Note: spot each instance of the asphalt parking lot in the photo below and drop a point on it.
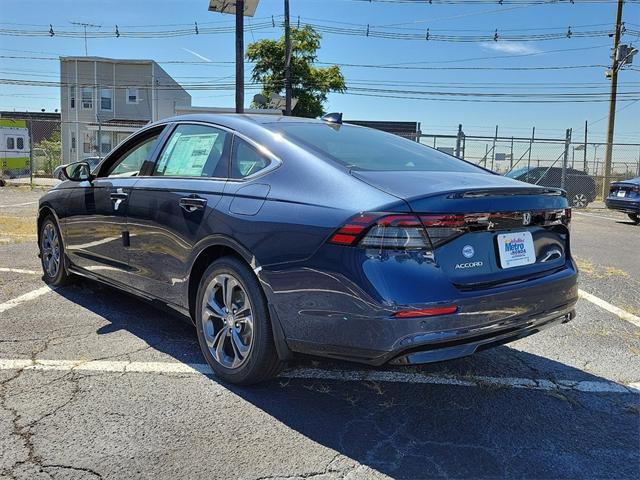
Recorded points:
(97, 384)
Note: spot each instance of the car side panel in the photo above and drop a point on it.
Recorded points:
(163, 234)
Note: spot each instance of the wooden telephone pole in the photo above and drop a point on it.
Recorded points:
(287, 60)
(615, 66)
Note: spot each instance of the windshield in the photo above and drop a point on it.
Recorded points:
(367, 149)
(517, 172)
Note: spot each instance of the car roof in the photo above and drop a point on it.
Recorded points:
(238, 118)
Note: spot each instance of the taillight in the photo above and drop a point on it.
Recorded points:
(383, 231)
(442, 228)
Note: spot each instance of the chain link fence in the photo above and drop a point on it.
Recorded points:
(34, 148)
(577, 167)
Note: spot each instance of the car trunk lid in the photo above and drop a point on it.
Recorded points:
(486, 230)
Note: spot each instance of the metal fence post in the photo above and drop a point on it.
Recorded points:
(459, 140)
(30, 130)
(493, 149)
(565, 159)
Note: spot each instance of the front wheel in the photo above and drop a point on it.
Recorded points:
(634, 217)
(232, 320)
(52, 253)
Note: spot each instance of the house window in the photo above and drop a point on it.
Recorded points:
(72, 96)
(11, 143)
(20, 143)
(106, 99)
(105, 143)
(86, 147)
(132, 95)
(73, 141)
(87, 98)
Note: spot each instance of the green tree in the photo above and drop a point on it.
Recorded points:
(47, 153)
(310, 84)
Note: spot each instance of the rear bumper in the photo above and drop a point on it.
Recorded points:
(626, 206)
(464, 343)
(484, 319)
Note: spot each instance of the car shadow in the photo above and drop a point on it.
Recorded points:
(413, 430)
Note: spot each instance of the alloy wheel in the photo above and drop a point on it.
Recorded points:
(580, 200)
(50, 245)
(227, 321)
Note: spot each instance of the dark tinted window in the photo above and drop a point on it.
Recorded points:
(246, 159)
(193, 151)
(368, 149)
(20, 143)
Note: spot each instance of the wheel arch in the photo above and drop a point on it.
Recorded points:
(209, 250)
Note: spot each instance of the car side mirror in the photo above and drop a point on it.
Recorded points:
(78, 172)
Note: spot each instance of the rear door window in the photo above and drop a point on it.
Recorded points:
(194, 151)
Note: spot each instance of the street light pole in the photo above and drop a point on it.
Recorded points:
(612, 102)
(287, 60)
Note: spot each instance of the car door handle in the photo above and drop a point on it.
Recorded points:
(118, 197)
(191, 204)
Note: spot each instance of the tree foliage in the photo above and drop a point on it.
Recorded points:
(310, 84)
(48, 152)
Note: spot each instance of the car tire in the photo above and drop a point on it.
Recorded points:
(634, 217)
(233, 324)
(579, 200)
(52, 256)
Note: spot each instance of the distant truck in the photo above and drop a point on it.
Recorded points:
(14, 148)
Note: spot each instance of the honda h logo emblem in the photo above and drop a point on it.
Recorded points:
(526, 218)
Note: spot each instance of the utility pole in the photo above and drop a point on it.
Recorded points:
(239, 56)
(239, 8)
(287, 60)
(612, 102)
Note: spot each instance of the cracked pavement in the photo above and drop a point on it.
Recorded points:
(76, 423)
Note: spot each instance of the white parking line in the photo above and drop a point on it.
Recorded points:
(623, 314)
(582, 214)
(18, 205)
(319, 374)
(14, 302)
(19, 270)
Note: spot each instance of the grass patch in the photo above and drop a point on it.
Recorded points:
(17, 229)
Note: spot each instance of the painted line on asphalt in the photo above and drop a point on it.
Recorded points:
(19, 270)
(14, 302)
(320, 374)
(623, 314)
(18, 205)
(597, 216)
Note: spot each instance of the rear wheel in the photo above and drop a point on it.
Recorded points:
(52, 253)
(232, 320)
(634, 217)
(579, 200)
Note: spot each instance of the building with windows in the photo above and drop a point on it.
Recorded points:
(104, 100)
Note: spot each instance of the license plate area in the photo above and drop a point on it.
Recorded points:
(621, 193)
(516, 249)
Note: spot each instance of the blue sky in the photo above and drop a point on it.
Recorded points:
(550, 119)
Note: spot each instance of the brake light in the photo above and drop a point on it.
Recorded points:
(426, 312)
(384, 231)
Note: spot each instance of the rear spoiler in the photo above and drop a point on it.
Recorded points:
(509, 192)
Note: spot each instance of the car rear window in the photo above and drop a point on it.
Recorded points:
(368, 149)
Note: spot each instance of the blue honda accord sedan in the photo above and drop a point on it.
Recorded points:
(624, 196)
(283, 235)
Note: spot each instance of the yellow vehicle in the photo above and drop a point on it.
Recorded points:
(14, 148)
